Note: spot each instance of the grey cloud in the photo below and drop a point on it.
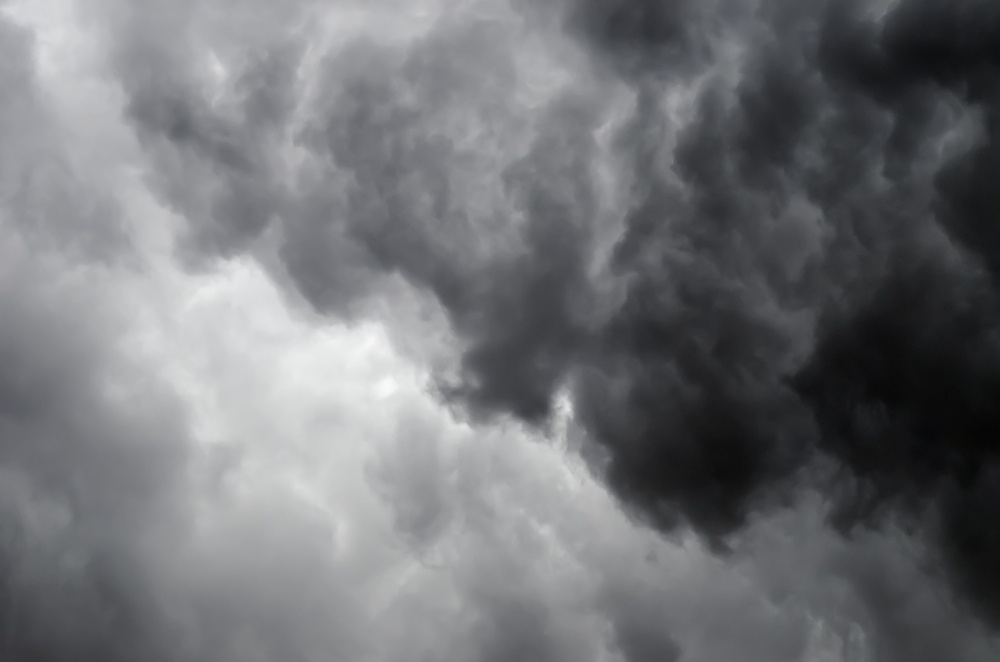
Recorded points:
(722, 323)
(73, 480)
(84, 478)
(82, 475)
(199, 147)
(103, 554)
(549, 573)
(98, 472)
(405, 207)
(641, 39)
(798, 268)
(872, 586)
(414, 476)
(40, 185)
(929, 325)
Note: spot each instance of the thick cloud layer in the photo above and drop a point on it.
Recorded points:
(770, 168)
(732, 261)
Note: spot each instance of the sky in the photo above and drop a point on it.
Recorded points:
(499, 330)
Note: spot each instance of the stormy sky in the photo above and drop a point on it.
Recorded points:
(499, 330)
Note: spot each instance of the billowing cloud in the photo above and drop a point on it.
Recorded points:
(633, 330)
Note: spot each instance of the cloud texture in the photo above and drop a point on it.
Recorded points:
(484, 330)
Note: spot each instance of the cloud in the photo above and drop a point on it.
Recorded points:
(443, 275)
(815, 162)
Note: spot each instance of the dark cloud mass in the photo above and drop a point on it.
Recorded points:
(755, 246)
(800, 267)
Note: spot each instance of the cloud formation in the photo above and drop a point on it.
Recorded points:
(335, 350)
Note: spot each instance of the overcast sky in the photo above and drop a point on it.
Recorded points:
(499, 330)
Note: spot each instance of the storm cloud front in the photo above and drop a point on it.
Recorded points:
(499, 330)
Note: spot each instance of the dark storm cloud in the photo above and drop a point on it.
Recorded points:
(647, 37)
(711, 320)
(411, 212)
(799, 271)
(684, 383)
(901, 385)
(903, 393)
(845, 111)
(407, 198)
